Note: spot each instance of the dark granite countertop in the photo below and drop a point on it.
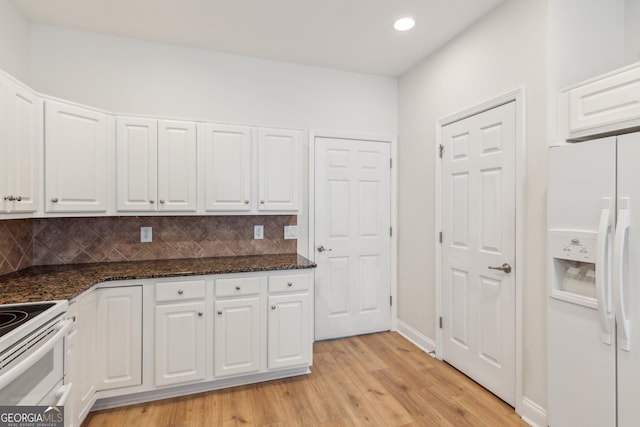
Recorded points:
(58, 282)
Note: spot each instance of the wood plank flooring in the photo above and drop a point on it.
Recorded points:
(378, 380)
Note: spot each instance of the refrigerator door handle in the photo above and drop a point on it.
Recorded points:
(622, 227)
(603, 284)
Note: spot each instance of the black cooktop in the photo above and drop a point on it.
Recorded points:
(13, 316)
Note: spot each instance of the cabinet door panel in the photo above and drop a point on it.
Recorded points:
(136, 164)
(85, 360)
(289, 342)
(23, 148)
(5, 189)
(227, 168)
(237, 336)
(180, 337)
(177, 166)
(119, 337)
(278, 169)
(75, 159)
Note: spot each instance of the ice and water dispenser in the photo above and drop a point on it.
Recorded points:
(573, 269)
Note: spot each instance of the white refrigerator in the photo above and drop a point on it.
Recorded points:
(593, 303)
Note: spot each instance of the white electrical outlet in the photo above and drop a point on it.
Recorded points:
(290, 232)
(146, 234)
(258, 232)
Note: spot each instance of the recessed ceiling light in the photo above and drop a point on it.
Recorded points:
(404, 24)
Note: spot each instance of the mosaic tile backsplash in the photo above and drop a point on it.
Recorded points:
(105, 239)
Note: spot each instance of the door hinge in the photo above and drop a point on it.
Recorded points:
(440, 237)
(390, 300)
(390, 231)
(441, 150)
(390, 163)
(440, 322)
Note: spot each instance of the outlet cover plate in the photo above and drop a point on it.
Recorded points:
(290, 232)
(146, 234)
(258, 232)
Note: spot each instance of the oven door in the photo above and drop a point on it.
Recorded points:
(35, 373)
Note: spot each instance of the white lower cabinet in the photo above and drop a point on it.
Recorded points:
(180, 350)
(119, 337)
(133, 338)
(237, 336)
(81, 351)
(289, 333)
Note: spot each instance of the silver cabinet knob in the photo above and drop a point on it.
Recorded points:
(18, 198)
(162, 201)
(322, 249)
(200, 314)
(262, 202)
(273, 307)
(246, 202)
(289, 284)
(237, 288)
(220, 313)
(54, 200)
(9, 198)
(180, 292)
(152, 201)
(506, 268)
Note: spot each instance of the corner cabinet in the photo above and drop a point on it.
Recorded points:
(76, 158)
(20, 126)
(155, 165)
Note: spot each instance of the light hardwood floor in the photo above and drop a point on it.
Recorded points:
(378, 379)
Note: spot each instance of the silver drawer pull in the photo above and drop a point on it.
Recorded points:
(220, 313)
(246, 202)
(200, 313)
(237, 288)
(289, 284)
(9, 198)
(273, 307)
(54, 200)
(180, 292)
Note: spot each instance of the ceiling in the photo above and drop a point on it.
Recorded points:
(352, 35)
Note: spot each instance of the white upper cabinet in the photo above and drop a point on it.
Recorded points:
(177, 176)
(228, 174)
(603, 105)
(155, 165)
(76, 158)
(136, 164)
(20, 122)
(278, 169)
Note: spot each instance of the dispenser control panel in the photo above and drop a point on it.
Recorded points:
(573, 245)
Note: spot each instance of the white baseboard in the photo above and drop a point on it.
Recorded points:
(533, 414)
(423, 342)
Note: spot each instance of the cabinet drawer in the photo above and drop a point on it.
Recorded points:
(237, 286)
(297, 282)
(178, 291)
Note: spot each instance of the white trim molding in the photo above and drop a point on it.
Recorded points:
(422, 341)
(533, 414)
(519, 97)
(313, 134)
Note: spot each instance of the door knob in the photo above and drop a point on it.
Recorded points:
(504, 267)
(322, 249)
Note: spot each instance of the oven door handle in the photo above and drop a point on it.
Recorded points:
(63, 394)
(24, 365)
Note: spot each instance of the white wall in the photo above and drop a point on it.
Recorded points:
(504, 51)
(14, 42)
(632, 30)
(139, 77)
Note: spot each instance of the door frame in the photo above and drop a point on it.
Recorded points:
(393, 202)
(519, 97)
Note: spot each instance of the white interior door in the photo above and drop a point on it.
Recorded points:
(352, 237)
(478, 225)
